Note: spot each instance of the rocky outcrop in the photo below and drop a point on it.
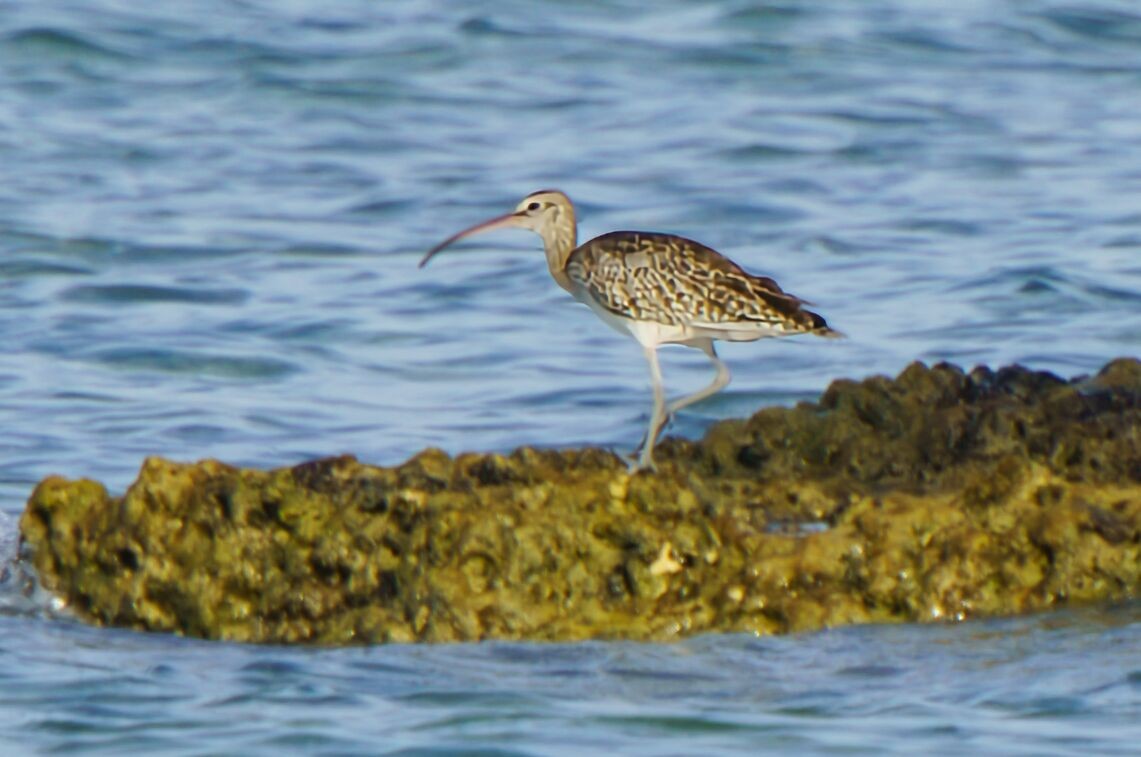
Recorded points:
(937, 495)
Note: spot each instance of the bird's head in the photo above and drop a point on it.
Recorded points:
(548, 213)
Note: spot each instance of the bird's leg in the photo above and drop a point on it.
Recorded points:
(657, 416)
(720, 381)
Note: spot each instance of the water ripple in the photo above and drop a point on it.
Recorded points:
(181, 361)
(47, 44)
(143, 294)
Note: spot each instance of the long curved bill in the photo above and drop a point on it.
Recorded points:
(499, 222)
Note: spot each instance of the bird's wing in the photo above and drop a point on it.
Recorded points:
(676, 281)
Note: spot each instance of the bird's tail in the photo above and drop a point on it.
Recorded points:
(820, 327)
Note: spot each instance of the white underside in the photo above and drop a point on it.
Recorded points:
(652, 334)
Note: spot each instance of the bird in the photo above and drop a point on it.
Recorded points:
(659, 289)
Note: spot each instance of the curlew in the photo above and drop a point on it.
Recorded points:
(659, 289)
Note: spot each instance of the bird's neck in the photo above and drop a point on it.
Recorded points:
(559, 242)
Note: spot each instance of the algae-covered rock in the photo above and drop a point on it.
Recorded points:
(939, 494)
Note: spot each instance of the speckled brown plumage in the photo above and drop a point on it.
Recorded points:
(676, 281)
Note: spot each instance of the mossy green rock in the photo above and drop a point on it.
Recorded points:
(939, 494)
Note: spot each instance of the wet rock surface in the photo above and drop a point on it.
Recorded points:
(939, 494)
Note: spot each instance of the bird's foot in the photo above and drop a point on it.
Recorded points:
(640, 460)
(642, 444)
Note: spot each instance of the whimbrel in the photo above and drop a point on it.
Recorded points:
(658, 288)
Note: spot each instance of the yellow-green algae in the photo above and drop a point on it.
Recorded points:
(936, 495)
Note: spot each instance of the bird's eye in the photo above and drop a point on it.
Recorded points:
(534, 206)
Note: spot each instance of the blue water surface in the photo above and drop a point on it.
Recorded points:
(210, 218)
